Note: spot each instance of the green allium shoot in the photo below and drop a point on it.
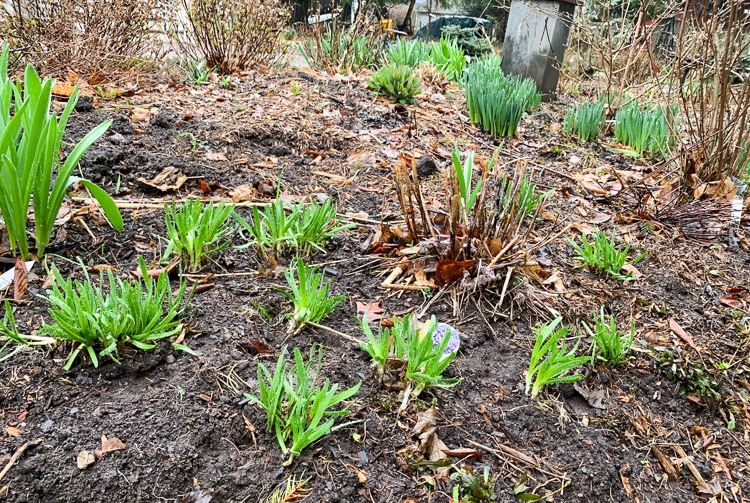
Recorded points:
(549, 361)
(309, 294)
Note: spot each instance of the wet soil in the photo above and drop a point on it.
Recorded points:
(191, 436)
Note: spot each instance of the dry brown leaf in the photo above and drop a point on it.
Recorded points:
(158, 181)
(13, 432)
(110, 445)
(732, 302)
(371, 312)
(63, 89)
(680, 332)
(20, 283)
(215, 156)
(583, 228)
(85, 459)
(243, 193)
(463, 452)
(155, 273)
(633, 270)
(140, 115)
(600, 185)
(724, 190)
(451, 271)
(429, 443)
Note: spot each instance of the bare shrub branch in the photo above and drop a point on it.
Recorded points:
(90, 38)
(232, 35)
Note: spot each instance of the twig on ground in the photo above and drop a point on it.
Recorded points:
(17, 456)
(336, 332)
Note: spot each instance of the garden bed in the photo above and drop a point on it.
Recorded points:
(620, 434)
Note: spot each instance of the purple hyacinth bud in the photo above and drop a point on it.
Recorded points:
(444, 330)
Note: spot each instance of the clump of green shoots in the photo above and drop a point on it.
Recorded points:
(197, 71)
(602, 254)
(424, 362)
(309, 294)
(495, 101)
(300, 227)
(396, 82)
(10, 336)
(31, 136)
(646, 130)
(295, 405)
(549, 361)
(134, 313)
(194, 232)
(585, 120)
(448, 58)
(610, 346)
(338, 48)
(405, 52)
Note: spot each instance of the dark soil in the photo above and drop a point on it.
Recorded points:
(190, 437)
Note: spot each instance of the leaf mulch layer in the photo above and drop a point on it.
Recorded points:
(168, 426)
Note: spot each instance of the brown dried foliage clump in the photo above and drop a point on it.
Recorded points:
(90, 38)
(232, 35)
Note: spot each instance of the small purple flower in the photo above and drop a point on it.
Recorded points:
(443, 329)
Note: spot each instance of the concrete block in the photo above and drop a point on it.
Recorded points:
(535, 41)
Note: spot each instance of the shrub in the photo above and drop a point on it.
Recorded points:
(295, 404)
(468, 39)
(645, 130)
(341, 49)
(131, 313)
(232, 35)
(309, 294)
(396, 82)
(195, 231)
(584, 120)
(30, 142)
(92, 38)
(495, 101)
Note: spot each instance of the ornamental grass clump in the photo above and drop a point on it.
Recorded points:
(396, 82)
(194, 232)
(30, 166)
(135, 313)
(497, 102)
(295, 404)
(646, 131)
(551, 361)
(585, 120)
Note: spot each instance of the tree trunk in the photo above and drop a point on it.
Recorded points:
(406, 24)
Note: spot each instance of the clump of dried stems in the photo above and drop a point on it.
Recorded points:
(231, 35)
(714, 89)
(491, 227)
(90, 38)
